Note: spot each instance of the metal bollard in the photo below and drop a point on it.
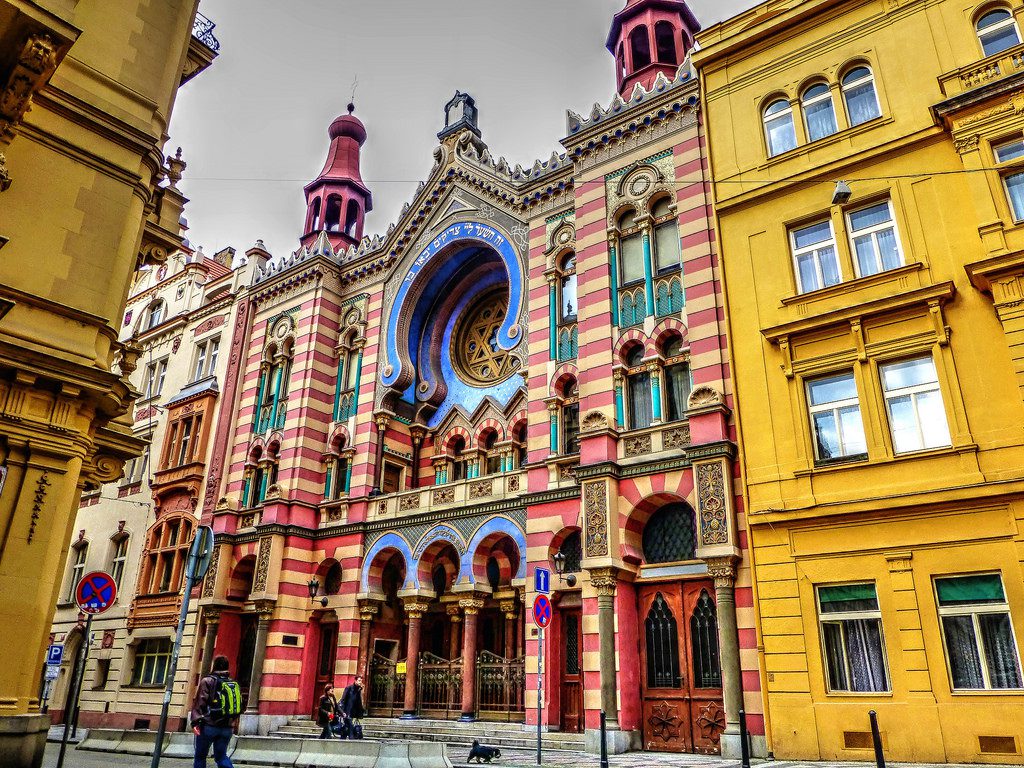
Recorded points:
(744, 740)
(604, 741)
(876, 739)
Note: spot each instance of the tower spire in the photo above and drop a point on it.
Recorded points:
(648, 37)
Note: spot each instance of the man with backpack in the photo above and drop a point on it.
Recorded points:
(217, 705)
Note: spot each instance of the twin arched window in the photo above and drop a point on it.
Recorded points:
(671, 396)
(997, 31)
(859, 96)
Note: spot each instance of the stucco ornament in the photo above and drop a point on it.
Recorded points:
(714, 528)
(595, 507)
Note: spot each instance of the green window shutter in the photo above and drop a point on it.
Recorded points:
(847, 597)
(966, 590)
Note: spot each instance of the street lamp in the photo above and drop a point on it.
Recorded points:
(560, 569)
(314, 587)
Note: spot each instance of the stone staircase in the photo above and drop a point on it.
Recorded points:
(495, 734)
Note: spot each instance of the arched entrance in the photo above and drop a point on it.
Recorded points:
(680, 668)
(386, 687)
(440, 665)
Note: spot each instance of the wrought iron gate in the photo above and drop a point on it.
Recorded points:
(500, 687)
(440, 686)
(387, 688)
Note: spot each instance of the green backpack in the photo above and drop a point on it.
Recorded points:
(225, 700)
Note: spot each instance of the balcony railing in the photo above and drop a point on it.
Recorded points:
(476, 491)
(202, 30)
(995, 67)
(665, 437)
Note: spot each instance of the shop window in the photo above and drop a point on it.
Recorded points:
(859, 94)
(874, 240)
(152, 659)
(997, 31)
(917, 416)
(779, 129)
(851, 628)
(669, 536)
(814, 256)
(836, 423)
(819, 112)
(977, 632)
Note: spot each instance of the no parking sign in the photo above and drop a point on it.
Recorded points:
(96, 592)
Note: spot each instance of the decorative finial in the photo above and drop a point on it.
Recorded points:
(351, 107)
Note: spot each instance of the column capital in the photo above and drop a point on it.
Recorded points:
(264, 609)
(722, 570)
(471, 605)
(382, 420)
(415, 607)
(211, 616)
(368, 609)
(508, 607)
(453, 612)
(604, 580)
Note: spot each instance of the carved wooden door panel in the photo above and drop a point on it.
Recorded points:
(572, 673)
(679, 668)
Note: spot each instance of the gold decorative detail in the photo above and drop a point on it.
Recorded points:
(211, 616)
(262, 566)
(5, 177)
(475, 351)
(604, 580)
(966, 144)
(39, 498)
(407, 503)
(711, 504)
(722, 570)
(444, 495)
(704, 396)
(336, 513)
(513, 483)
(594, 421)
(595, 506)
(471, 605)
(264, 609)
(247, 520)
(210, 583)
(415, 607)
(638, 446)
(678, 437)
(568, 472)
(481, 489)
(368, 609)
(37, 60)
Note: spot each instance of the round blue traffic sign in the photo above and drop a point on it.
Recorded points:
(542, 611)
(95, 592)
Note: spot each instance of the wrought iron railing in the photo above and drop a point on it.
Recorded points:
(500, 687)
(202, 30)
(440, 686)
(387, 687)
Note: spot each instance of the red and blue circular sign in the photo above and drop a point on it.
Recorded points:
(542, 611)
(95, 592)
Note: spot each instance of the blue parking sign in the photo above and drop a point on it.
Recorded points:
(55, 654)
(542, 581)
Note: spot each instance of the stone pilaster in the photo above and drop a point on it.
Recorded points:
(723, 571)
(367, 611)
(605, 580)
(211, 620)
(265, 610)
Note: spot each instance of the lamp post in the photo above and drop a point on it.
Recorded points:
(560, 569)
(314, 587)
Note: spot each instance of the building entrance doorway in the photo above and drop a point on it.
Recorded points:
(572, 672)
(246, 654)
(680, 670)
(324, 662)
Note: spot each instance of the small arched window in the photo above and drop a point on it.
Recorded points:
(778, 127)
(997, 31)
(631, 258)
(640, 45)
(519, 438)
(572, 548)
(677, 380)
(568, 300)
(665, 40)
(570, 418)
(666, 236)
(493, 457)
(314, 209)
(332, 580)
(458, 445)
(332, 216)
(669, 535)
(641, 412)
(860, 96)
(155, 314)
(352, 218)
(819, 112)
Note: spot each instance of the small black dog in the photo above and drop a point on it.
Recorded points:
(483, 754)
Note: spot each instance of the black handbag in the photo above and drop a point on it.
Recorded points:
(357, 730)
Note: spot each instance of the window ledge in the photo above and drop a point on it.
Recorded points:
(859, 695)
(843, 288)
(987, 692)
(869, 462)
(835, 138)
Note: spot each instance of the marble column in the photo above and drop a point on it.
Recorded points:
(414, 610)
(211, 618)
(265, 609)
(723, 571)
(604, 581)
(508, 607)
(367, 612)
(471, 610)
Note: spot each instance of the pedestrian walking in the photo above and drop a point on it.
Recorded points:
(352, 707)
(216, 707)
(326, 711)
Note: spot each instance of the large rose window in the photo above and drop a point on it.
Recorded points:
(478, 358)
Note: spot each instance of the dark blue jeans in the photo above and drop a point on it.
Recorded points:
(212, 735)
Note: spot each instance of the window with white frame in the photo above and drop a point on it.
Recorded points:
(152, 659)
(1006, 152)
(836, 424)
(156, 372)
(206, 358)
(917, 416)
(631, 256)
(779, 130)
(666, 237)
(678, 381)
(118, 558)
(997, 31)
(852, 640)
(814, 256)
(819, 112)
(977, 632)
(154, 315)
(874, 240)
(860, 96)
(79, 554)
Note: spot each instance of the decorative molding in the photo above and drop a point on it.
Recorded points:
(595, 509)
(604, 580)
(638, 446)
(711, 503)
(262, 565)
(677, 437)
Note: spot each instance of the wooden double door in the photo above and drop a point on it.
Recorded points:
(680, 668)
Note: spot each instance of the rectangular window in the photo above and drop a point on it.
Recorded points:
(392, 478)
(666, 246)
(980, 646)
(631, 260)
(206, 358)
(873, 237)
(1009, 150)
(835, 418)
(493, 465)
(77, 570)
(677, 390)
(200, 366)
(814, 257)
(917, 417)
(641, 409)
(571, 428)
(1015, 194)
(118, 560)
(214, 353)
(185, 440)
(152, 658)
(851, 630)
(569, 306)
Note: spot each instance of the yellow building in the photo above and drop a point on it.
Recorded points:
(86, 90)
(875, 329)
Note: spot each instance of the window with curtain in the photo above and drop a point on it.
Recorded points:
(631, 258)
(638, 383)
(677, 380)
(852, 640)
(836, 423)
(666, 237)
(571, 428)
(874, 240)
(819, 112)
(997, 31)
(860, 96)
(980, 647)
(79, 553)
(778, 127)
(917, 416)
(814, 256)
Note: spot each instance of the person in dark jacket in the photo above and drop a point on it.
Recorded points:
(352, 700)
(325, 712)
(211, 730)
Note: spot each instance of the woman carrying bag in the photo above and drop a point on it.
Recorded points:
(325, 712)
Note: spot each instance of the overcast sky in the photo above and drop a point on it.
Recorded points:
(253, 127)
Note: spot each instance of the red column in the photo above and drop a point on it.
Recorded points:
(471, 609)
(414, 612)
(454, 638)
(367, 610)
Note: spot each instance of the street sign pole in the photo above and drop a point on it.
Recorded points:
(198, 562)
(71, 703)
(540, 687)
